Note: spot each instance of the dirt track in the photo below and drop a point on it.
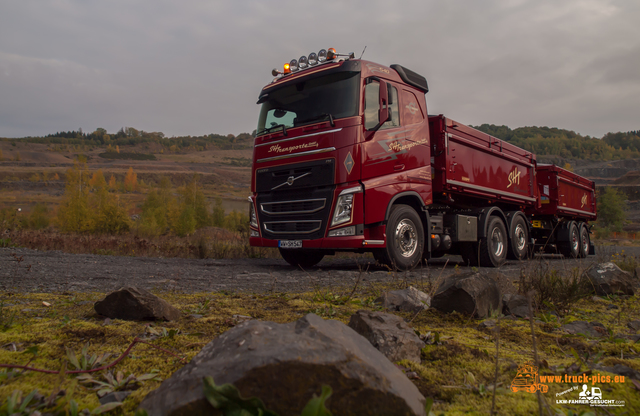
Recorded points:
(53, 271)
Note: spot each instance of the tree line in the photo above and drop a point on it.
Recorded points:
(551, 141)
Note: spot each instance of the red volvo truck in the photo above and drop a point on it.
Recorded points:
(346, 158)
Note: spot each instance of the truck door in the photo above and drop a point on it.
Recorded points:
(382, 153)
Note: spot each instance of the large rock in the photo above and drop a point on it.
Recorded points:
(284, 365)
(516, 305)
(470, 293)
(609, 279)
(405, 300)
(135, 304)
(389, 333)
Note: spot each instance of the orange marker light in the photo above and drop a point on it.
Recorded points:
(287, 69)
(331, 53)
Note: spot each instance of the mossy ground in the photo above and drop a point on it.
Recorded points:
(457, 371)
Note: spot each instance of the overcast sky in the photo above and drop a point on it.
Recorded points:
(196, 67)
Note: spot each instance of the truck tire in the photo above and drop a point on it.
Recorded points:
(571, 248)
(301, 258)
(518, 239)
(585, 240)
(493, 248)
(405, 239)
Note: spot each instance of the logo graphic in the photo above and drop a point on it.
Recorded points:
(584, 200)
(528, 379)
(348, 162)
(594, 394)
(375, 68)
(412, 107)
(514, 177)
(290, 180)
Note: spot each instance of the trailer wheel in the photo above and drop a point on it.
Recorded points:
(405, 239)
(493, 248)
(518, 239)
(302, 258)
(585, 240)
(571, 248)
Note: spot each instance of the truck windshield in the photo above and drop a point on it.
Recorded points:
(331, 96)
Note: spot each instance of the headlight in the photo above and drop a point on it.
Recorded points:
(253, 219)
(344, 206)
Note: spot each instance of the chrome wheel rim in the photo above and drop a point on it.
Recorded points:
(521, 237)
(406, 238)
(574, 241)
(497, 240)
(585, 242)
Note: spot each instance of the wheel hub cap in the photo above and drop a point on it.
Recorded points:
(406, 238)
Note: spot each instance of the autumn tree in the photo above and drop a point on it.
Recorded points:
(97, 180)
(73, 213)
(130, 180)
(112, 183)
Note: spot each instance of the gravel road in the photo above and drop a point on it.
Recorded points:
(25, 270)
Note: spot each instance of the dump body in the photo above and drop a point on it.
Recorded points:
(473, 165)
(565, 194)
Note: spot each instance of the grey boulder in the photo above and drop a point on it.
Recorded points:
(405, 300)
(470, 293)
(285, 365)
(389, 334)
(135, 304)
(516, 305)
(609, 279)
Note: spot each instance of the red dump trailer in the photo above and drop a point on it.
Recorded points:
(346, 158)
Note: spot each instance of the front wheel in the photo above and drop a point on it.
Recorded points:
(405, 239)
(493, 248)
(301, 258)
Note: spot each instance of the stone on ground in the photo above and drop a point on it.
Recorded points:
(389, 334)
(405, 300)
(136, 304)
(609, 279)
(470, 293)
(285, 365)
(516, 305)
(592, 329)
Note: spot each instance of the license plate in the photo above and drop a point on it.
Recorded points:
(290, 243)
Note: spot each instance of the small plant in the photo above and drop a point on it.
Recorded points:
(6, 319)
(202, 307)
(162, 332)
(118, 382)
(84, 361)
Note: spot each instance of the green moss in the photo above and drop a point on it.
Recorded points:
(458, 373)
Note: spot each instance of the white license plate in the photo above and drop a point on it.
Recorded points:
(290, 243)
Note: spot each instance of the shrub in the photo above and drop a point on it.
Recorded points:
(38, 217)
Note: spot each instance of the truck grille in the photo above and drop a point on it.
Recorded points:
(293, 227)
(303, 206)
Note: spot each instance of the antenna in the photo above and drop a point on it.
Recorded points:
(365, 48)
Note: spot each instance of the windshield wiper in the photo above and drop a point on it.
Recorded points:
(320, 116)
(268, 129)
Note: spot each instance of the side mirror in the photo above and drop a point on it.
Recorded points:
(383, 100)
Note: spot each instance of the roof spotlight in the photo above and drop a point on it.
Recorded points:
(302, 62)
(293, 65)
(313, 59)
(322, 55)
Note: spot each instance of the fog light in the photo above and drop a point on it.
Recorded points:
(254, 233)
(340, 232)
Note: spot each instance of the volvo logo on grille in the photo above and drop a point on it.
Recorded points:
(290, 180)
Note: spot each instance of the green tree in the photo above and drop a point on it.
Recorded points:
(611, 208)
(38, 217)
(217, 216)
